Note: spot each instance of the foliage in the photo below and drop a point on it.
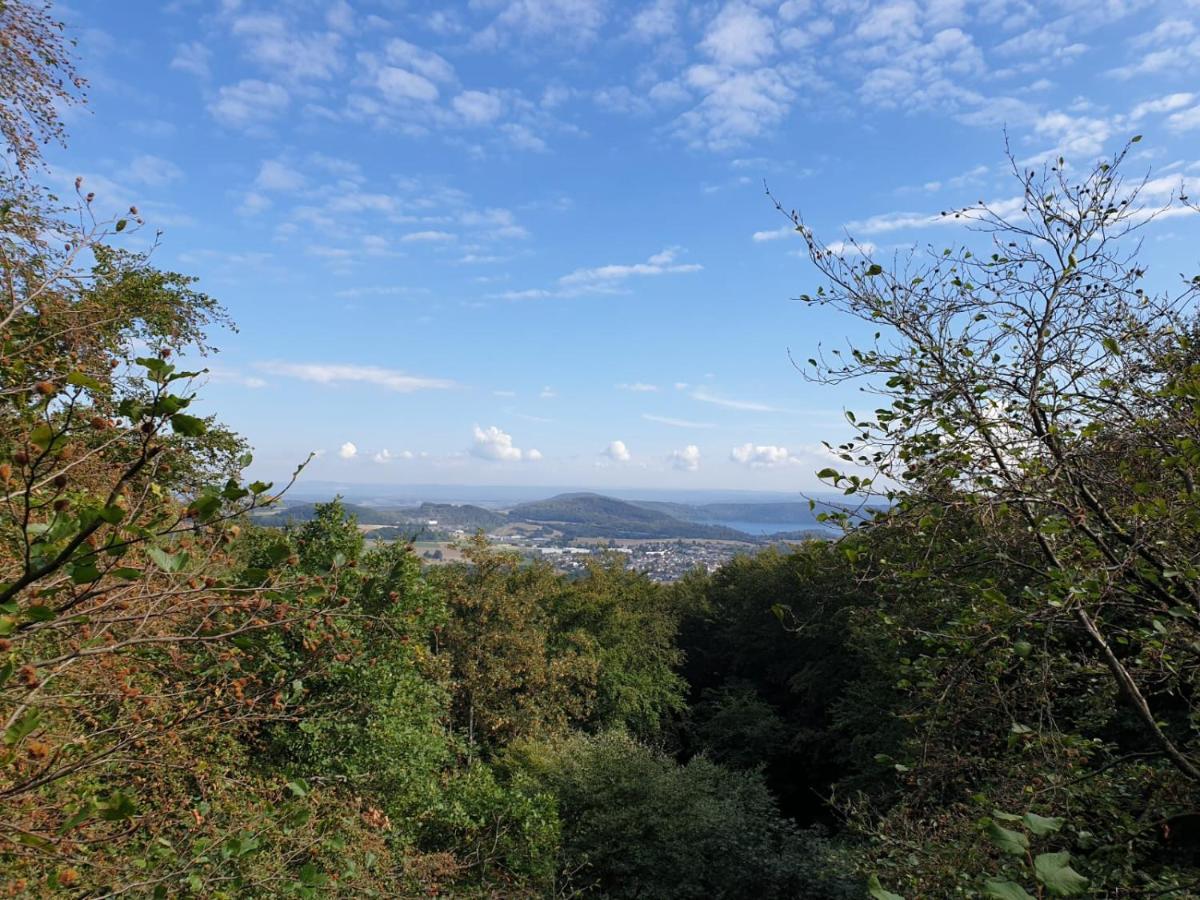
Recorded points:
(1034, 573)
(767, 663)
(637, 824)
(37, 79)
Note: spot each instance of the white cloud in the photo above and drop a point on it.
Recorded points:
(850, 248)
(493, 444)
(775, 234)
(1186, 120)
(653, 21)
(427, 63)
(522, 137)
(1171, 46)
(1160, 105)
(348, 450)
(1074, 136)
(548, 393)
(249, 103)
(676, 423)
(737, 105)
(152, 170)
(618, 452)
(478, 108)
(323, 373)
(272, 44)
(749, 405)
(400, 85)
(897, 21)
(274, 175)
(638, 387)
(606, 279)
(385, 456)
(739, 36)
(340, 16)
(192, 58)
(762, 456)
(687, 459)
(430, 237)
(536, 21)
(662, 263)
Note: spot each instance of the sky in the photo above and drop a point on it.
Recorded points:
(527, 241)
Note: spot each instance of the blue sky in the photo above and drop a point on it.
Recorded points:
(526, 241)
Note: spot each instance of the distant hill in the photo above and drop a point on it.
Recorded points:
(580, 515)
(451, 515)
(594, 515)
(304, 512)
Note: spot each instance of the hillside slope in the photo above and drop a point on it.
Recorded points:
(594, 515)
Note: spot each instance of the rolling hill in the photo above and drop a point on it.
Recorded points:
(594, 515)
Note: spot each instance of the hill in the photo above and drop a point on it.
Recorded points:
(304, 512)
(791, 513)
(451, 515)
(594, 515)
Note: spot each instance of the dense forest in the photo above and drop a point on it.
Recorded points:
(985, 689)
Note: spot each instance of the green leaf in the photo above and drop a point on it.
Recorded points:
(874, 270)
(84, 573)
(827, 473)
(1007, 840)
(41, 436)
(1111, 346)
(120, 226)
(188, 426)
(32, 840)
(117, 807)
(1005, 890)
(1041, 825)
(22, 728)
(86, 810)
(1055, 872)
(1022, 648)
(112, 514)
(79, 379)
(299, 787)
(168, 562)
(1135, 139)
(876, 890)
(40, 612)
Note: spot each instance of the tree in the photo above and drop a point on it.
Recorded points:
(1036, 444)
(509, 680)
(37, 76)
(637, 824)
(628, 624)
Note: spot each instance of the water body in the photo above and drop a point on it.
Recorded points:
(765, 528)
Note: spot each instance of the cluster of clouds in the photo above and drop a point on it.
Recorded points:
(349, 450)
(608, 279)
(343, 216)
(718, 75)
(348, 66)
(763, 456)
(495, 445)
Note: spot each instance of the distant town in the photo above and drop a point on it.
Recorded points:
(569, 531)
